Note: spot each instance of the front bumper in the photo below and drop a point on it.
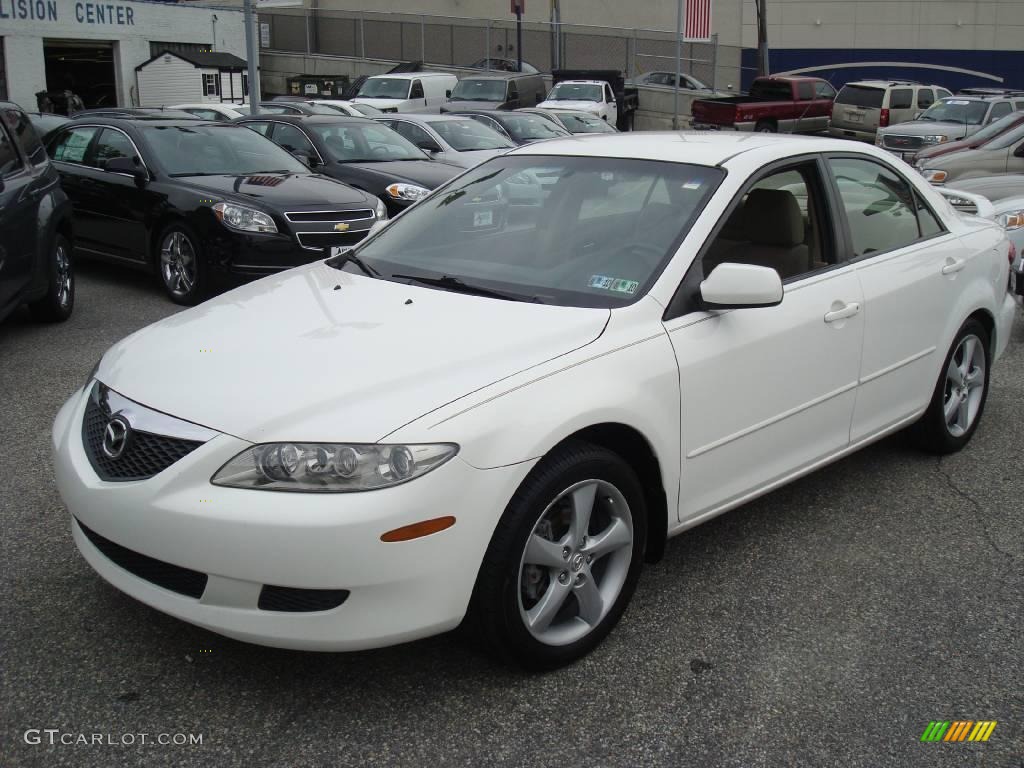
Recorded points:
(851, 133)
(242, 540)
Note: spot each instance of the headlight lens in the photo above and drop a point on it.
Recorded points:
(1011, 220)
(330, 467)
(407, 192)
(935, 139)
(933, 176)
(381, 211)
(243, 218)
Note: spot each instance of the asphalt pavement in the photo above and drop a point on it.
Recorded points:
(823, 625)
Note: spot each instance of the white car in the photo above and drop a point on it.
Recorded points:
(475, 414)
(350, 108)
(595, 97)
(214, 111)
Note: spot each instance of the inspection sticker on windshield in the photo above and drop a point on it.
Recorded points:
(613, 284)
(692, 185)
(959, 103)
(483, 218)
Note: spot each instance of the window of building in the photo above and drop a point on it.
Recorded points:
(156, 47)
(245, 83)
(211, 85)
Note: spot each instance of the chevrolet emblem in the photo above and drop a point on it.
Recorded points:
(341, 227)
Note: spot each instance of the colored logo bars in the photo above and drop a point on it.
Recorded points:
(958, 730)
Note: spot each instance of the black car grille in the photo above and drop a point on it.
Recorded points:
(184, 581)
(291, 600)
(146, 454)
(329, 215)
(891, 141)
(322, 241)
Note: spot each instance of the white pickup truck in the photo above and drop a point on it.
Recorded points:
(602, 93)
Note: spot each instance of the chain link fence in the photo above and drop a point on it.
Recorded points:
(462, 42)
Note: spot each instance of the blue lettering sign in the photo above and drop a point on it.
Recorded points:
(85, 12)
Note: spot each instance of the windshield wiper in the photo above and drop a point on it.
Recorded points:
(457, 285)
(348, 256)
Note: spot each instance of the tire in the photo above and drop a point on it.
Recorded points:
(592, 584)
(766, 126)
(960, 393)
(56, 306)
(180, 265)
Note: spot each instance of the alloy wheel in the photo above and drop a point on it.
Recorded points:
(63, 274)
(178, 263)
(575, 562)
(965, 385)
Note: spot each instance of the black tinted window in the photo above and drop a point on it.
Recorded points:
(111, 144)
(771, 90)
(417, 90)
(805, 91)
(901, 98)
(292, 139)
(859, 96)
(925, 98)
(8, 155)
(23, 132)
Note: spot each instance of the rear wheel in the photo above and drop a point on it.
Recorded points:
(766, 126)
(59, 301)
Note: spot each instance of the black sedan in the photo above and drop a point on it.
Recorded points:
(197, 201)
(519, 127)
(360, 152)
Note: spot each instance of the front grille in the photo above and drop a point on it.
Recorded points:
(329, 215)
(322, 241)
(291, 600)
(890, 141)
(184, 581)
(146, 453)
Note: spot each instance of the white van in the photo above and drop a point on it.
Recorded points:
(407, 91)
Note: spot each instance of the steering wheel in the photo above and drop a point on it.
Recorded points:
(381, 149)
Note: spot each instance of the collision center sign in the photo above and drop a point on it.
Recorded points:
(116, 14)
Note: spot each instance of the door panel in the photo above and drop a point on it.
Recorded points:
(68, 151)
(18, 217)
(117, 224)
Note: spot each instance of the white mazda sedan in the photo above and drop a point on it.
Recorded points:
(501, 404)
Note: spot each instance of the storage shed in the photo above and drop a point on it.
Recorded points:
(175, 77)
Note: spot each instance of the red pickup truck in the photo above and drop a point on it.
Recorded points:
(774, 105)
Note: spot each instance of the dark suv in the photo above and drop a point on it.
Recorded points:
(35, 224)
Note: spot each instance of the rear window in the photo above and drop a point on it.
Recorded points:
(861, 96)
(772, 90)
(901, 98)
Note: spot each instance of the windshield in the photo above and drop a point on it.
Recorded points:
(576, 92)
(212, 150)
(1008, 139)
(357, 143)
(580, 122)
(572, 231)
(526, 127)
(956, 111)
(861, 96)
(467, 134)
(479, 90)
(385, 88)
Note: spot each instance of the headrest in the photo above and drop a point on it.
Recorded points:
(772, 217)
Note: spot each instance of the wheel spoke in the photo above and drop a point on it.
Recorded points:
(975, 378)
(953, 372)
(951, 408)
(615, 536)
(541, 615)
(968, 356)
(543, 552)
(582, 506)
(186, 279)
(963, 415)
(590, 602)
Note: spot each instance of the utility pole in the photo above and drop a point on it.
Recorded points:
(517, 9)
(556, 35)
(680, 15)
(762, 37)
(250, 52)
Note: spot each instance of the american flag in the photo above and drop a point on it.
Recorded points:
(698, 20)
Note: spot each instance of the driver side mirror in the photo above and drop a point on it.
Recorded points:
(428, 146)
(741, 286)
(1019, 151)
(130, 166)
(306, 158)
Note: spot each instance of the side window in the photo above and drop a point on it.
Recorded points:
(1018, 105)
(262, 128)
(111, 144)
(942, 93)
(779, 223)
(70, 146)
(805, 91)
(23, 132)
(880, 207)
(207, 114)
(211, 85)
(609, 97)
(513, 91)
(901, 98)
(9, 161)
(925, 98)
(824, 91)
(417, 90)
(292, 139)
(930, 225)
(413, 133)
(1002, 109)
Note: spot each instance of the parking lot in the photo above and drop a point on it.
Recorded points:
(825, 624)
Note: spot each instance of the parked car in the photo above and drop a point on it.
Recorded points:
(406, 91)
(668, 80)
(36, 233)
(218, 112)
(461, 141)
(864, 106)
(287, 108)
(350, 108)
(360, 152)
(464, 418)
(499, 90)
(1003, 154)
(573, 121)
(504, 65)
(44, 122)
(989, 92)
(948, 119)
(601, 92)
(517, 127)
(196, 201)
(774, 105)
(103, 112)
(975, 140)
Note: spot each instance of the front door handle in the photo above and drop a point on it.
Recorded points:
(953, 265)
(847, 310)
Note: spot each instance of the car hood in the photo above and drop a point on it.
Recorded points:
(582, 106)
(928, 128)
(425, 173)
(282, 189)
(317, 354)
(472, 157)
(378, 103)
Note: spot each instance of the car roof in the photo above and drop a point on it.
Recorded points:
(889, 83)
(974, 97)
(308, 119)
(417, 117)
(493, 75)
(582, 82)
(410, 75)
(495, 113)
(120, 122)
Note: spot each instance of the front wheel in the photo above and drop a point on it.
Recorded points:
(59, 301)
(564, 560)
(182, 270)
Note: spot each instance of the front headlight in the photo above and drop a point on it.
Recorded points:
(244, 219)
(935, 139)
(1011, 220)
(933, 176)
(381, 211)
(407, 192)
(330, 467)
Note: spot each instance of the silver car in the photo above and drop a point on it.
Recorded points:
(949, 119)
(1003, 154)
(460, 141)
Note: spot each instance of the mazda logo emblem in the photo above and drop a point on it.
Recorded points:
(116, 437)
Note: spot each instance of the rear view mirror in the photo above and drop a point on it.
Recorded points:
(130, 166)
(741, 286)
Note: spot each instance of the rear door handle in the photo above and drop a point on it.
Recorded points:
(847, 310)
(953, 265)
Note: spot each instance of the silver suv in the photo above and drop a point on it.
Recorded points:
(864, 106)
(948, 119)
